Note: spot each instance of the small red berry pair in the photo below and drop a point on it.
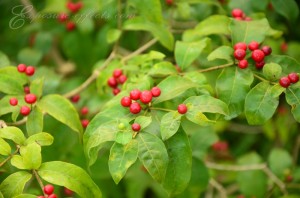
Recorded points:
(239, 14)
(84, 111)
(28, 70)
(74, 7)
(287, 80)
(48, 190)
(29, 99)
(117, 78)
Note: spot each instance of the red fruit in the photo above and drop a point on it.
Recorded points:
(289, 178)
(267, 50)
(126, 101)
(294, 77)
(122, 79)
(284, 47)
(68, 192)
(237, 13)
(85, 123)
(169, 2)
(243, 64)
(30, 70)
(30, 98)
(253, 45)
(21, 68)
(240, 196)
(135, 108)
(13, 101)
(258, 55)
(112, 82)
(62, 17)
(259, 65)
(239, 54)
(182, 109)
(117, 73)
(116, 91)
(135, 94)
(155, 91)
(84, 110)
(52, 196)
(75, 98)
(25, 110)
(284, 82)
(240, 45)
(74, 7)
(48, 189)
(70, 26)
(136, 127)
(26, 90)
(146, 97)
(220, 146)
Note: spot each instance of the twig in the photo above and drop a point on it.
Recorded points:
(9, 157)
(219, 188)
(222, 167)
(29, 8)
(275, 179)
(262, 79)
(39, 181)
(161, 109)
(2, 124)
(215, 67)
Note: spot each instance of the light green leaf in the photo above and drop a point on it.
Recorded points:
(121, 158)
(35, 121)
(12, 133)
(261, 102)
(280, 161)
(36, 87)
(113, 35)
(55, 6)
(4, 147)
(180, 163)
(4, 61)
(61, 109)
(69, 176)
(233, 85)
(144, 121)
(153, 155)
(14, 184)
(292, 96)
(223, 52)
(25, 196)
(169, 124)
(287, 8)
(162, 69)
(42, 138)
(187, 52)
(287, 63)
(11, 81)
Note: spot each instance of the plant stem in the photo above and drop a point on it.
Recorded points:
(161, 109)
(222, 167)
(9, 157)
(215, 67)
(275, 179)
(263, 79)
(39, 181)
(219, 188)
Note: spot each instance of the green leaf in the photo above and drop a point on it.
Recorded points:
(43, 42)
(30, 56)
(144, 121)
(4, 61)
(113, 35)
(121, 158)
(180, 163)
(249, 180)
(42, 138)
(187, 52)
(14, 184)
(247, 31)
(216, 24)
(169, 124)
(36, 87)
(12, 133)
(11, 81)
(25, 196)
(261, 102)
(279, 161)
(35, 121)
(287, 63)
(69, 176)
(233, 85)
(292, 96)
(162, 69)
(124, 136)
(153, 155)
(4, 147)
(223, 52)
(55, 6)
(61, 109)
(30, 157)
(287, 8)
(172, 87)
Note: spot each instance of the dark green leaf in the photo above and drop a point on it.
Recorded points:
(287, 8)
(11, 81)
(169, 124)
(279, 161)
(12, 133)
(30, 56)
(292, 96)
(35, 121)
(287, 63)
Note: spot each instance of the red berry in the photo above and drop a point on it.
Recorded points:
(68, 192)
(239, 54)
(25, 110)
(52, 196)
(29, 70)
(220, 146)
(294, 77)
(237, 13)
(74, 7)
(48, 189)
(289, 178)
(30, 98)
(267, 50)
(182, 109)
(253, 45)
(26, 90)
(75, 98)
(146, 97)
(258, 55)
(284, 82)
(85, 123)
(70, 26)
(284, 47)
(116, 91)
(122, 79)
(126, 101)
(169, 2)
(240, 45)
(21, 68)
(13, 101)
(136, 127)
(135, 94)
(155, 91)
(135, 108)
(62, 17)
(243, 64)
(117, 73)
(112, 82)
(84, 110)
(259, 65)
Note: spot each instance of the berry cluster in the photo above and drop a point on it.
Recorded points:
(29, 99)
(238, 14)
(287, 80)
(144, 96)
(64, 18)
(48, 190)
(257, 54)
(28, 70)
(117, 78)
